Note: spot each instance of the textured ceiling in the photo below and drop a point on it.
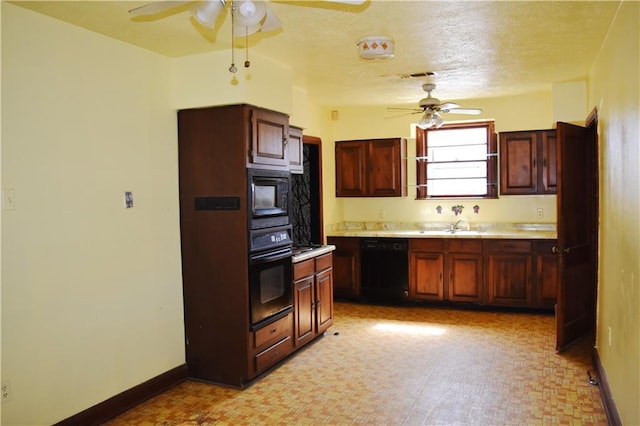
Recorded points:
(478, 49)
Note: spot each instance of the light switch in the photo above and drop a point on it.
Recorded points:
(128, 200)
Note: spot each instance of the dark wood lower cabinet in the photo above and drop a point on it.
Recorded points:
(509, 280)
(313, 298)
(346, 266)
(545, 294)
(493, 272)
(446, 269)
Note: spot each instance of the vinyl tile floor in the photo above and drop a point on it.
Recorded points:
(408, 365)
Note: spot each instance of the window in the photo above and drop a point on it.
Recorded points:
(457, 160)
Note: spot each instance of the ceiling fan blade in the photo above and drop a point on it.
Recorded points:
(271, 21)
(466, 111)
(447, 106)
(157, 7)
(416, 110)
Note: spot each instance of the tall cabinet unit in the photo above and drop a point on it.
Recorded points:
(216, 145)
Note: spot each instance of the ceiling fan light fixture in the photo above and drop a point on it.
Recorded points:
(249, 13)
(376, 48)
(207, 12)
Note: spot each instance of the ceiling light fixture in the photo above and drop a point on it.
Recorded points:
(430, 119)
(207, 12)
(375, 48)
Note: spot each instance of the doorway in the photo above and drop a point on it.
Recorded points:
(306, 199)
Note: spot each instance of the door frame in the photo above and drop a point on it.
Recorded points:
(591, 124)
(317, 142)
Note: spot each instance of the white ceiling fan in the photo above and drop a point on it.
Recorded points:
(432, 108)
(249, 16)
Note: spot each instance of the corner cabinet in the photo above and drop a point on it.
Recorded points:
(371, 168)
(528, 162)
(313, 298)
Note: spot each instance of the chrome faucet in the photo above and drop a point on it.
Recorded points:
(456, 226)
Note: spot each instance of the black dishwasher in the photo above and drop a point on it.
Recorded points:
(384, 269)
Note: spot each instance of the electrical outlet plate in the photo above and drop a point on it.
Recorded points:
(6, 391)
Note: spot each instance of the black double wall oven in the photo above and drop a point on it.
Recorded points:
(270, 242)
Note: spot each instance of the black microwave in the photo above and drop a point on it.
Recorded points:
(269, 197)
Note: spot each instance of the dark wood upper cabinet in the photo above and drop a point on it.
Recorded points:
(295, 151)
(528, 162)
(371, 168)
(269, 138)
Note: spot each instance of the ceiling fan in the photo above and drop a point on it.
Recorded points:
(248, 16)
(432, 108)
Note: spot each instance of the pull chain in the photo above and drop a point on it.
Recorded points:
(247, 64)
(232, 68)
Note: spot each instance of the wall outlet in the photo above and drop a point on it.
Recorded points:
(8, 199)
(6, 391)
(540, 212)
(381, 214)
(609, 335)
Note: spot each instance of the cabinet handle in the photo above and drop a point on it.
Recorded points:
(274, 330)
(554, 250)
(285, 141)
(440, 276)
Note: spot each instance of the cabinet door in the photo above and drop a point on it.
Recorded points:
(346, 266)
(518, 163)
(426, 275)
(384, 168)
(269, 133)
(548, 166)
(295, 150)
(351, 160)
(509, 281)
(465, 277)
(324, 300)
(304, 300)
(546, 275)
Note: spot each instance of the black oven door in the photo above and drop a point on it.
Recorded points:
(270, 285)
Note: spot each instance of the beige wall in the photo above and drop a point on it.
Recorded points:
(523, 112)
(91, 292)
(614, 90)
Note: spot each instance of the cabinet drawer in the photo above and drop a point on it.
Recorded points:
(465, 246)
(273, 332)
(324, 262)
(275, 353)
(510, 246)
(303, 269)
(426, 244)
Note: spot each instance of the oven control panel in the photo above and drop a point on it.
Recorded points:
(262, 239)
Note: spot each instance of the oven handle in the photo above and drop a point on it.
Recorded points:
(271, 256)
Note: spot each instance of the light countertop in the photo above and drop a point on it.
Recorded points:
(314, 252)
(484, 230)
